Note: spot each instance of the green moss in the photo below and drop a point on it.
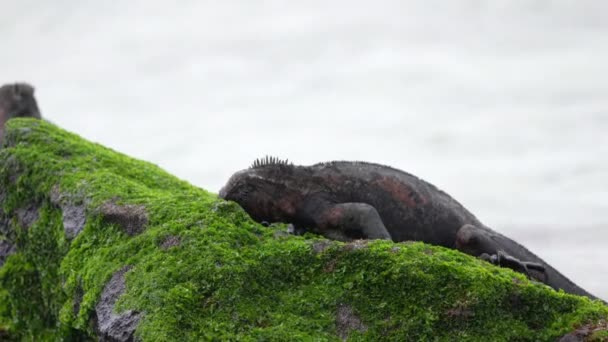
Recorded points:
(229, 278)
(599, 336)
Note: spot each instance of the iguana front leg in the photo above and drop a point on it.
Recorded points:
(348, 221)
(475, 241)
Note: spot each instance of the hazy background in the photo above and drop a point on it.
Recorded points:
(503, 104)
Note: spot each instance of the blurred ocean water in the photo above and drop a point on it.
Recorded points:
(502, 104)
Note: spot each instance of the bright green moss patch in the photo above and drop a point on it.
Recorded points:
(202, 269)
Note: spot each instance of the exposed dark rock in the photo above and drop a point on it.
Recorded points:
(28, 215)
(356, 244)
(74, 219)
(78, 294)
(573, 337)
(586, 333)
(347, 321)
(170, 241)
(5, 228)
(279, 234)
(6, 249)
(460, 311)
(132, 219)
(13, 169)
(111, 326)
(74, 215)
(330, 266)
(321, 246)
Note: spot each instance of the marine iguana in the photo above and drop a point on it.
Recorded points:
(347, 200)
(17, 100)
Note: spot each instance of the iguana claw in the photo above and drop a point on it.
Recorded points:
(504, 260)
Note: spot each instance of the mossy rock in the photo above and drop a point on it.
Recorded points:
(99, 245)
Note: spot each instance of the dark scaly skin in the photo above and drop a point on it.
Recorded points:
(352, 200)
(17, 100)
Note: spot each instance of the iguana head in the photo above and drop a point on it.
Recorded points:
(17, 100)
(476, 241)
(263, 190)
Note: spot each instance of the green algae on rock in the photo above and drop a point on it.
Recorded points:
(95, 244)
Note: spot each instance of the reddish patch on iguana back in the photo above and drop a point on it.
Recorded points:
(333, 216)
(400, 191)
(287, 205)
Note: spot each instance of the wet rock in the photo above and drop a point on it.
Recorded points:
(132, 219)
(347, 321)
(109, 325)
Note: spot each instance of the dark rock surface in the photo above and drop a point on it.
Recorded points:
(586, 333)
(78, 294)
(74, 215)
(28, 215)
(111, 326)
(132, 219)
(321, 246)
(6, 249)
(170, 241)
(347, 321)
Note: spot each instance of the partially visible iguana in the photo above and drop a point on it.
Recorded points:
(357, 200)
(17, 100)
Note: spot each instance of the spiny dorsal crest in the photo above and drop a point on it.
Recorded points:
(269, 161)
